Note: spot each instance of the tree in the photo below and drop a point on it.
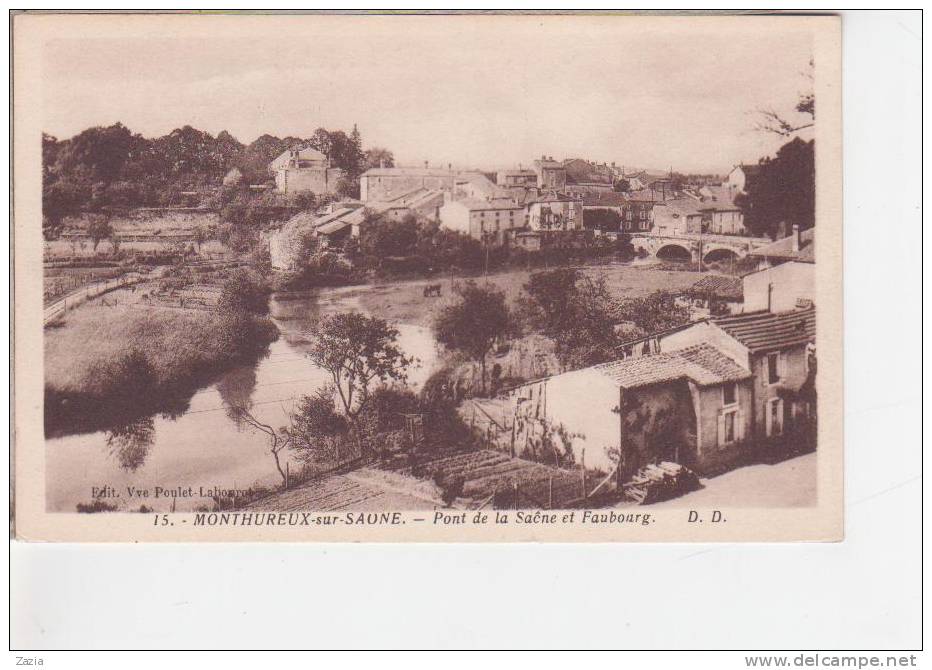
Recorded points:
(783, 191)
(99, 229)
(317, 429)
(279, 439)
(242, 293)
(381, 237)
(379, 157)
(622, 186)
(474, 323)
(550, 296)
(587, 331)
(357, 351)
(803, 117)
(653, 313)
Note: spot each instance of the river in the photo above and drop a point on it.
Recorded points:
(204, 449)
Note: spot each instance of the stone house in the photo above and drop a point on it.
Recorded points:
(778, 349)
(554, 211)
(550, 173)
(690, 406)
(481, 219)
(637, 215)
(389, 183)
(304, 169)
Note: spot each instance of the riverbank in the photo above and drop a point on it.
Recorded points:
(110, 363)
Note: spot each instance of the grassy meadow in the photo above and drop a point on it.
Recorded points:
(404, 302)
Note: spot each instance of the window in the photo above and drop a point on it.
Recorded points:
(729, 394)
(730, 427)
(773, 368)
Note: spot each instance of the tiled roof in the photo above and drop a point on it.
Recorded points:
(605, 199)
(550, 196)
(702, 363)
(731, 288)
(310, 154)
(770, 331)
(682, 206)
(783, 248)
(718, 198)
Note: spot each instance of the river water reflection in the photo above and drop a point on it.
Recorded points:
(204, 448)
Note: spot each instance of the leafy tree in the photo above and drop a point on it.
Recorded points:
(783, 190)
(379, 157)
(381, 237)
(317, 428)
(474, 323)
(622, 186)
(551, 295)
(654, 313)
(587, 333)
(99, 229)
(241, 293)
(357, 351)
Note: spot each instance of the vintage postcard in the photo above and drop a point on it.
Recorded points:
(458, 278)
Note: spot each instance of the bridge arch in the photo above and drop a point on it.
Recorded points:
(719, 254)
(672, 251)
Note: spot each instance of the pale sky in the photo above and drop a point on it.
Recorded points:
(475, 91)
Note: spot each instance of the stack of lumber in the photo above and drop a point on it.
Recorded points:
(660, 481)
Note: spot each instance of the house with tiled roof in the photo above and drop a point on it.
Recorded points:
(778, 349)
(304, 169)
(484, 220)
(677, 216)
(740, 176)
(798, 246)
(687, 406)
(707, 394)
(636, 213)
(713, 295)
(385, 183)
(550, 173)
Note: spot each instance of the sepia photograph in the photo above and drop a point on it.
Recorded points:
(553, 270)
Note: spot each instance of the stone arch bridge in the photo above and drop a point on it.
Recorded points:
(687, 246)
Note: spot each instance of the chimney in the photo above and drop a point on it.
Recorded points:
(381, 162)
(450, 167)
(770, 297)
(425, 165)
(795, 237)
(543, 157)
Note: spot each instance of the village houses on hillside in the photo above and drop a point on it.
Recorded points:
(523, 207)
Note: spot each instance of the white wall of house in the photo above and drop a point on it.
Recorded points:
(583, 402)
(791, 282)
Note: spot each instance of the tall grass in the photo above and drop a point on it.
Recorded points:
(119, 363)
